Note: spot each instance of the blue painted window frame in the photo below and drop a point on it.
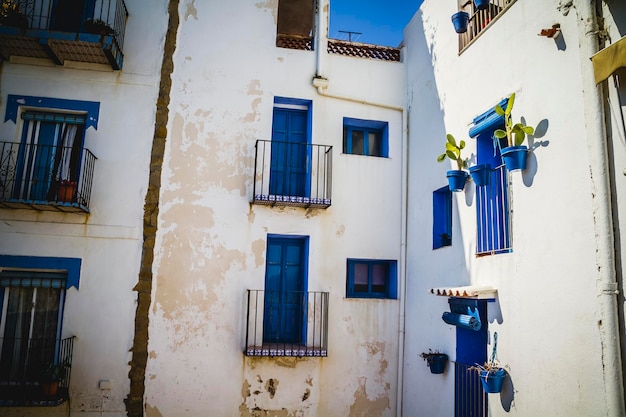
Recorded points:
(391, 278)
(442, 217)
(351, 125)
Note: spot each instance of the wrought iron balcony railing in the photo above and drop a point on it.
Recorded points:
(64, 30)
(45, 177)
(25, 371)
(480, 20)
(292, 174)
(287, 323)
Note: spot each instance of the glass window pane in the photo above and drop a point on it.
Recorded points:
(374, 143)
(379, 274)
(360, 277)
(358, 145)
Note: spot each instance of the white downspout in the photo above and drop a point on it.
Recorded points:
(602, 212)
(321, 82)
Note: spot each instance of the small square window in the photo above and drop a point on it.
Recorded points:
(365, 137)
(371, 278)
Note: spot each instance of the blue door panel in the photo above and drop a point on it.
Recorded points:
(288, 170)
(284, 291)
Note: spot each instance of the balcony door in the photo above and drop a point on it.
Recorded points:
(285, 290)
(288, 169)
(69, 15)
(30, 323)
(49, 153)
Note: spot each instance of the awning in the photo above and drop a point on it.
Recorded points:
(608, 60)
(470, 291)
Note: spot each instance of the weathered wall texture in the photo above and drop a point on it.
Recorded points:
(547, 312)
(211, 242)
(108, 240)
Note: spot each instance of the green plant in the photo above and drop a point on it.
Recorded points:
(514, 133)
(54, 371)
(453, 151)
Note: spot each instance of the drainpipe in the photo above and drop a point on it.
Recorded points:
(602, 212)
(321, 82)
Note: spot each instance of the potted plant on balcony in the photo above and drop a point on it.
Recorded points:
(481, 174)
(481, 4)
(460, 21)
(67, 191)
(51, 376)
(11, 15)
(514, 154)
(456, 177)
(97, 26)
(436, 361)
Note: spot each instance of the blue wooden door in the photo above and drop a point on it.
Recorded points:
(288, 169)
(285, 295)
(35, 160)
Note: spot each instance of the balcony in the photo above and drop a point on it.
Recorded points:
(23, 364)
(292, 174)
(45, 177)
(287, 323)
(88, 31)
(480, 20)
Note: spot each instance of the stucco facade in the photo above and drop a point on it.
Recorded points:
(549, 309)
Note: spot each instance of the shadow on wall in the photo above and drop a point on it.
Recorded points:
(528, 175)
(618, 10)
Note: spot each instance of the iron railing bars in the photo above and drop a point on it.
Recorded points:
(480, 20)
(292, 174)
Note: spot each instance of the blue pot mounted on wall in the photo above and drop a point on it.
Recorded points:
(481, 174)
(460, 21)
(514, 158)
(492, 381)
(481, 4)
(437, 363)
(456, 180)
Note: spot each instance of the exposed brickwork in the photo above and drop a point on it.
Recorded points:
(137, 373)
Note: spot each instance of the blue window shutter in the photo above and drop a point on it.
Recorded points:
(442, 217)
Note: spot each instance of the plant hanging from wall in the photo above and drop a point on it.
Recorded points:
(456, 177)
(514, 154)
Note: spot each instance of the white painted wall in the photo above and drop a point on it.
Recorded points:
(108, 240)
(211, 242)
(548, 299)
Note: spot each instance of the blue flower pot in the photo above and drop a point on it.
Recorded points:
(460, 21)
(514, 158)
(456, 180)
(481, 174)
(481, 4)
(437, 363)
(492, 381)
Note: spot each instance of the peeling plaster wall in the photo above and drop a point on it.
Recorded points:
(547, 313)
(108, 240)
(211, 242)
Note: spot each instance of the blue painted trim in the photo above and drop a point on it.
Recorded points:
(488, 120)
(92, 108)
(369, 125)
(71, 265)
(442, 217)
(391, 280)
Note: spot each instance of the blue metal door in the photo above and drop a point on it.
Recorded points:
(471, 349)
(288, 169)
(285, 295)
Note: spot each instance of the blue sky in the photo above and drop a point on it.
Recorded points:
(381, 22)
